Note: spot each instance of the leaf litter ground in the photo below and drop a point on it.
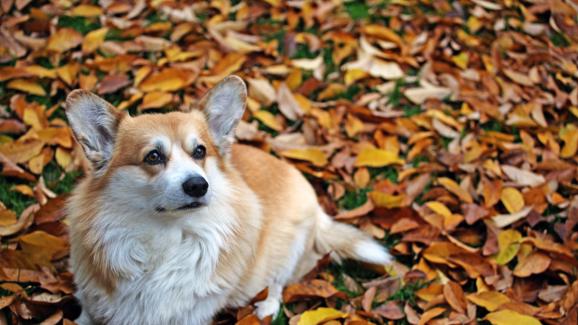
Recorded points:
(446, 129)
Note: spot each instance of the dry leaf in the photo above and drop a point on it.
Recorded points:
(377, 158)
(508, 317)
(313, 155)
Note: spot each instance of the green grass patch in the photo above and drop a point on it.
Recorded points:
(11, 199)
(387, 172)
(411, 110)
(57, 180)
(407, 293)
(357, 10)
(80, 24)
(559, 39)
(353, 199)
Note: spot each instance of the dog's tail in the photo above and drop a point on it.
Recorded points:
(345, 241)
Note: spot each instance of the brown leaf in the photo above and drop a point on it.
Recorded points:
(112, 83)
(309, 289)
(390, 310)
(454, 295)
(535, 263)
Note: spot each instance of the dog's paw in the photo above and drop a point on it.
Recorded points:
(267, 307)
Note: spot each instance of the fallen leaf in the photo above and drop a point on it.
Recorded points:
(169, 79)
(268, 119)
(508, 317)
(41, 247)
(453, 187)
(27, 86)
(377, 158)
(313, 288)
(319, 315)
(569, 134)
(509, 244)
(491, 300)
(504, 220)
(313, 155)
(523, 177)
(63, 40)
(431, 314)
(512, 199)
(535, 263)
(155, 99)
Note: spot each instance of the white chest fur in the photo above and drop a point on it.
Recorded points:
(169, 272)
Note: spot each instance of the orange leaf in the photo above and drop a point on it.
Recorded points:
(453, 187)
(63, 40)
(169, 79)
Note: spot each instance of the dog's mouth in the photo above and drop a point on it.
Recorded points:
(192, 205)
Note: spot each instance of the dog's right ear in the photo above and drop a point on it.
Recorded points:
(94, 123)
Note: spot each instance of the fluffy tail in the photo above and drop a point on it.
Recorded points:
(346, 241)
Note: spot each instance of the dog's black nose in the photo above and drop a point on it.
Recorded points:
(195, 186)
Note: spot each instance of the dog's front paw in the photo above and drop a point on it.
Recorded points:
(267, 307)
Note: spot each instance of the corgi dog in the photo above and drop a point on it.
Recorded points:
(173, 222)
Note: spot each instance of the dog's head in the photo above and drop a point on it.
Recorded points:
(160, 163)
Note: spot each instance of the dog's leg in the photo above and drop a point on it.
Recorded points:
(271, 305)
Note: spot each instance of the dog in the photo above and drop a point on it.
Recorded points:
(174, 222)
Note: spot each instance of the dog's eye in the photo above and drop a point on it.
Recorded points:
(199, 152)
(154, 158)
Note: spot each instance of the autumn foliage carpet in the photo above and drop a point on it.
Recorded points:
(446, 129)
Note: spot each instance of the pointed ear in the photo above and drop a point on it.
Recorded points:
(94, 123)
(224, 106)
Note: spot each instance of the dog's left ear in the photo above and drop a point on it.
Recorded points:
(224, 106)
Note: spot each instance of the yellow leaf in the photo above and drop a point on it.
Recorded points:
(269, 120)
(453, 187)
(474, 24)
(509, 244)
(7, 217)
(439, 208)
(169, 79)
(512, 199)
(352, 75)
(461, 60)
(63, 157)
(63, 40)
(319, 315)
(569, 134)
(23, 189)
(86, 11)
(155, 99)
(35, 116)
(377, 158)
(490, 300)
(313, 155)
(384, 200)
(509, 317)
(353, 126)
(36, 164)
(141, 73)
(27, 86)
(68, 73)
(94, 40)
(40, 72)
